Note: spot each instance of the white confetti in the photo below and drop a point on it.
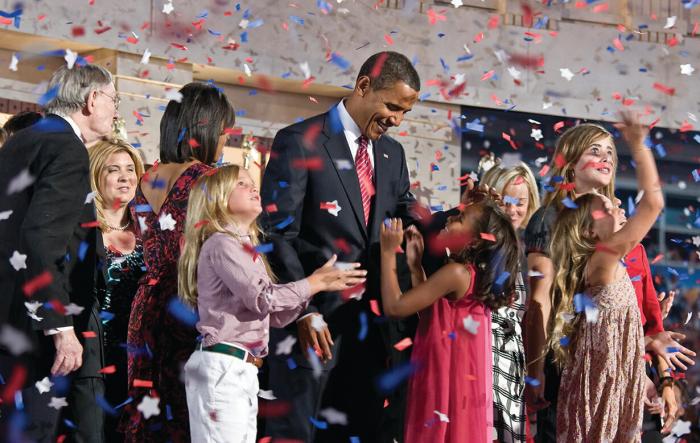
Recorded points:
(334, 416)
(305, 69)
(670, 22)
(58, 402)
(333, 207)
(13, 63)
(18, 261)
(687, 69)
(536, 134)
(149, 407)
(146, 57)
(456, 3)
(70, 58)
(89, 198)
(4, 215)
(471, 325)
(247, 70)
(442, 417)
(168, 8)
(285, 346)
(687, 319)
(167, 222)
(267, 395)
(73, 309)
(173, 94)
(514, 72)
(14, 340)
(566, 73)
(43, 385)
(20, 182)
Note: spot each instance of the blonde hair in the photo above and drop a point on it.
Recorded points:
(207, 214)
(99, 153)
(507, 176)
(570, 147)
(571, 247)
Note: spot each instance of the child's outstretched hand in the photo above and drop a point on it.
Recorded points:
(632, 130)
(414, 248)
(331, 278)
(391, 234)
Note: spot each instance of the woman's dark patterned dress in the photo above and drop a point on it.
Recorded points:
(159, 343)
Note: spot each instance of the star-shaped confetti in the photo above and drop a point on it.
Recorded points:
(168, 8)
(4, 215)
(58, 402)
(284, 347)
(18, 261)
(32, 308)
(43, 385)
(471, 325)
(21, 181)
(670, 22)
(687, 69)
(149, 407)
(513, 71)
(14, 340)
(457, 3)
(681, 428)
(566, 73)
(696, 241)
(73, 309)
(167, 222)
(173, 94)
(334, 416)
(333, 207)
(89, 198)
(536, 134)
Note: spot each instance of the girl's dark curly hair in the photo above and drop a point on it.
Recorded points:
(497, 262)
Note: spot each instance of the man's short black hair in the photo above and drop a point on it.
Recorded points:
(20, 121)
(386, 68)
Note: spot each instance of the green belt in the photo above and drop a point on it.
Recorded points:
(228, 350)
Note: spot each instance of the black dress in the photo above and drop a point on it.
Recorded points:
(121, 275)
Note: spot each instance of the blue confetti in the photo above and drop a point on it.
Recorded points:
(69, 423)
(255, 24)
(48, 96)
(104, 404)
(436, 208)
(696, 175)
(660, 150)
(143, 208)
(334, 120)
(354, 439)
(157, 183)
(510, 200)
(390, 380)
(569, 203)
(181, 135)
(697, 138)
(424, 96)
(672, 271)
(636, 278)
(475, 125)
(284, 223)
(82, 250)
(214, 33)
(203, 14)
(291, 364)
(564, 341)
(283, 184)
(532, 381)
(502, 278)
(630, 206)
(557, 179)
(244, 37)
(241, 113)
(169, 412)
(362, 335)
(16, 15)
(265, 248)
(182, 312)
(340, 61)
(452, 335)
(445, 67)
(106, 316)
(297, 20)
(318, 424)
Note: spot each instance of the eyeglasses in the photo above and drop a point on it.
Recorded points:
(116, 100)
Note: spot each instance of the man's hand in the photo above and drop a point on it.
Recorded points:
(665, 345)
(319, 340)
(69, 353)
(534, 395)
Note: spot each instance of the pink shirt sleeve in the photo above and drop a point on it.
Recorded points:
(248, 281)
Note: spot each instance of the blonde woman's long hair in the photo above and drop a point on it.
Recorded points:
(506, 177)
(99, 153)
(571, 247)
(207, 214)
(570, 147)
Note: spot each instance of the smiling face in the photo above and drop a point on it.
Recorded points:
(595, 168)
(118, 179)
(375, 111)
(517, 200)
(608, 217)
(244, 200)
(103, 106)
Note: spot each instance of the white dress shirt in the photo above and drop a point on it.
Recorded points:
(352, 134)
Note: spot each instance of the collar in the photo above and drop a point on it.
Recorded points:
(349, 125)
(72, 124)
(237, 231)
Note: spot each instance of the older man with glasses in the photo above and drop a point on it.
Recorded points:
(48, 266)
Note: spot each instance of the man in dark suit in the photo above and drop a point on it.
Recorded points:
(48, 270)
(330, 183)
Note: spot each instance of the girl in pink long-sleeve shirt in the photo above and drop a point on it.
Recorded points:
(222, 274)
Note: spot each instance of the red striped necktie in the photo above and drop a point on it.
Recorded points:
(364, 174)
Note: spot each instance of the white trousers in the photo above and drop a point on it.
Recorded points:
(222, 398)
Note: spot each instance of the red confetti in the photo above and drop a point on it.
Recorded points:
(559, 161)
(374, 306)
(233, 131)
(194, 144)
(558, 126)
(598, 214)
(138, 383)
(111, 369)
(603, 7)
(544, 170)
(89, 334)
(665, 89)
(567, 186)
(389, 40)
(78, 31)
(328, 205)
(657, 259)
(403, 344)
(602, 248)
(276, 408)
(686, 126)
(133, 40)
(152, 282)
(651, 126)
(342, 245)
(488, 75)
(310, 135)
(58, 307)
(91, 224)
(15, 382)
(201, 223)
(455, 242)
(40, 281)
(478, 37)
(178, 46)
(618, 44)
(487, 236)
(312, 164)
(493, 21)
(271, 208)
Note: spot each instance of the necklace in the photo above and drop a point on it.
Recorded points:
(119, 228)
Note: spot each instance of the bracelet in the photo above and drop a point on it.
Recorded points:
(666, 381)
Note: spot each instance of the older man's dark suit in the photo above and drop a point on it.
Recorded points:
(45, 224)
(311, 165)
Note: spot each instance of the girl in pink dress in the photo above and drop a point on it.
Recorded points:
(450, 394)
